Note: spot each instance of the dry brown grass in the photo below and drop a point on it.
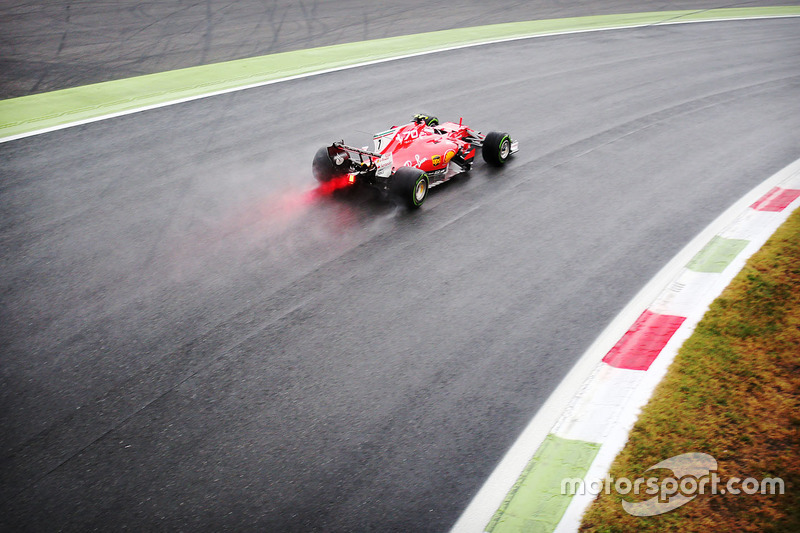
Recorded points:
(733, 392)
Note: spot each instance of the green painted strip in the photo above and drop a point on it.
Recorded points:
(536, 503)
(717, 254)
(29, 114)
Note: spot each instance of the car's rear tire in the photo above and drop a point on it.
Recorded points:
(409, 187)
(496, 148)
(323, 168)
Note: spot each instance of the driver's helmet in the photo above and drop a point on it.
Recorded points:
(425, 119)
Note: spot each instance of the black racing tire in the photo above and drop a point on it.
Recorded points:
(496, 148)
(409, 187)
(323, 168)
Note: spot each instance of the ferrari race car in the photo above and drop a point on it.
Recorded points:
(408, 160)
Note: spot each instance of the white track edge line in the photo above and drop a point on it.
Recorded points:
(491, 495)
(615, 441)
(373, 62)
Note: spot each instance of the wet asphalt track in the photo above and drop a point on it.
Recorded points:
(192, 340)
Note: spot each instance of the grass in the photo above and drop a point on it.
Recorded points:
(733, 392)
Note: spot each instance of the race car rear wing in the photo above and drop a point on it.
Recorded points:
(360, 151)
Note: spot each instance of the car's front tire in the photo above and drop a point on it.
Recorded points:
(496, 148)
(409, 187)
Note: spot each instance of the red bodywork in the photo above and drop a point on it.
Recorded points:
(428, 148)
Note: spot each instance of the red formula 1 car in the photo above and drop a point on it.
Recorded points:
(410, 159)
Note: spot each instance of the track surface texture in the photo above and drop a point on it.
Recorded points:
(52, 45)
(191, 340)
